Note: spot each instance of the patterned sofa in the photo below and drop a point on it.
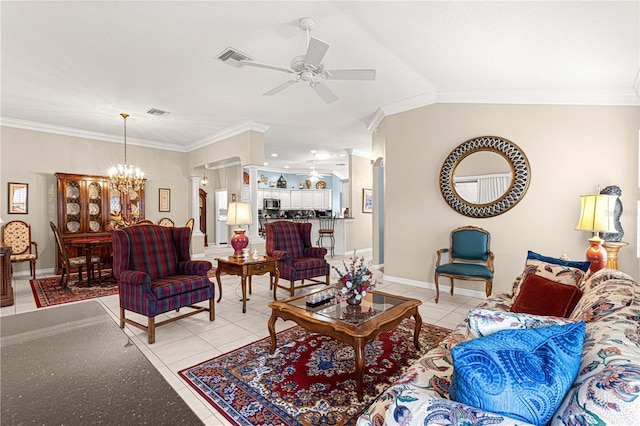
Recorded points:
(605, 392)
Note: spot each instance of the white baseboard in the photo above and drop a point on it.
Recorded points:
(431, 286)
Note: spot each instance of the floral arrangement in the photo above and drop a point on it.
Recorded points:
(356, 279)
(120, 220)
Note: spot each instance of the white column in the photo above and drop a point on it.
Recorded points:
(253, 197)
(197, 237)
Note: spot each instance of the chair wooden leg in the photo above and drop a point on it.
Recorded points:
(212, 309)
(121, 317)
(489, 288)
(435, 279)
(32, 266)
(451, 285)
(151, 329)
(328, 280)
(292, 290)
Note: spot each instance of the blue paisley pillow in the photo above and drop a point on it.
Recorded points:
(523, 374)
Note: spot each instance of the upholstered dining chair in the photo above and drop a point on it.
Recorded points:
(290, 243)
(77, 262)
(470, 258)
(165, 221)
(155, 275)
(17, 235)
(144, 222)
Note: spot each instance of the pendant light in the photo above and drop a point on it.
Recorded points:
(126, 177)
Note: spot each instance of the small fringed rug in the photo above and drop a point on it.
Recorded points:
(309, 380)
(49, 292)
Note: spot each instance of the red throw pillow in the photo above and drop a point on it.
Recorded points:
(541, 296)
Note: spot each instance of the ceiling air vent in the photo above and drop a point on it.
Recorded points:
(233, 56)
(157, 112)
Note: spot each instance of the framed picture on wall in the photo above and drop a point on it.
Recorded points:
(367, 200)
(18, 198)
(164, 195)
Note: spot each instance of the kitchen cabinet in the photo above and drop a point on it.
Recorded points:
(318, 200)
(285, 199)
(307, 200)
(296, 200)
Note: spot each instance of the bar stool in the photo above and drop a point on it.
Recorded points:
(326, 229)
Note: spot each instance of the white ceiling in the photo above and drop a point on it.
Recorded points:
(73, 67)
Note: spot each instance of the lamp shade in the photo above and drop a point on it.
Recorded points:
(239, 214)
(596, 213)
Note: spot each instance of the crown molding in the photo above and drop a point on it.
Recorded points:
(69, 131)
(611, 97)
(229, 132)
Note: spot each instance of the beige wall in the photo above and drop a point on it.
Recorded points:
(359, 232)
(571, 149)
(33, 157)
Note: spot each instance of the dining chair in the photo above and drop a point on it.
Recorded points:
(77, 262)
(165, 221)
(17, 235)
(470, 258)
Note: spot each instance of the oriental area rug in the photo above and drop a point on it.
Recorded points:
(309, 380)
(49, 292)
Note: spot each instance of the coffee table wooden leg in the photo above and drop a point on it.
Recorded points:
(272, 331)
(358, 348)
(416, 331)
(219, 284)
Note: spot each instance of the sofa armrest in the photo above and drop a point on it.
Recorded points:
(317, 252)
(194, 267)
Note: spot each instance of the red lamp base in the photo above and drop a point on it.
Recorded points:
(596, 254)
(240, 241)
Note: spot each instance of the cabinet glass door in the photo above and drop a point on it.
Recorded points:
(72, 206)
(95, 206)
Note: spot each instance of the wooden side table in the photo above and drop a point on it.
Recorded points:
(612, 249)
(246, 269)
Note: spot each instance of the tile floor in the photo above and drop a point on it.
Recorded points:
(192, 340)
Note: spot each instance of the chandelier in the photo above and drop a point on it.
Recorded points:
(126, 177)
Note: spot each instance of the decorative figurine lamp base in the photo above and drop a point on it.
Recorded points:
(596, 215)
(239, 214)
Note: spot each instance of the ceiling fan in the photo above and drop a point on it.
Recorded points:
(313, 174)
(309, 68)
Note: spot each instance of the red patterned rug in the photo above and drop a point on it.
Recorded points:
(308, 380)
(48, 292)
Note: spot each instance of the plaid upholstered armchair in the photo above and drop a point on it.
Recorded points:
(155, 274)
(290, 243)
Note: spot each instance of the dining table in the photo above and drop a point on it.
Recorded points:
(87, 245)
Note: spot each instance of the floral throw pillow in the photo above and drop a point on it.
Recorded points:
(484, 322)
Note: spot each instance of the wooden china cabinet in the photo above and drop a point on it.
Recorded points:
(85, 204)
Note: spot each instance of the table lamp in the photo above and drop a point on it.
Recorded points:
(596, 215)
(239, 214)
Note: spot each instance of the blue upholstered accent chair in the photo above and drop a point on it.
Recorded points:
(290, 243)
(155, 274)
(470, 258)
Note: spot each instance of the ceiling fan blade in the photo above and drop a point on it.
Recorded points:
(323, 91)
(269, 67)
(280, 88)
(350, 74)
(315, 52)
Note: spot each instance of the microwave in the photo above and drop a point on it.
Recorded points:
(271, 204)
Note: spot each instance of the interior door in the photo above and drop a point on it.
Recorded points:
(203, 215)
(222, 231)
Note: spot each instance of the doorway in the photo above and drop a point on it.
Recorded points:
(221, 202)
(203, 215)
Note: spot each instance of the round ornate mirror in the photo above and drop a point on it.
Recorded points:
(484, 177)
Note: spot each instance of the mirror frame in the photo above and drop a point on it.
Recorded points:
(519, 183)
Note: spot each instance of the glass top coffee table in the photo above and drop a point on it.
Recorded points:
(354, 325)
